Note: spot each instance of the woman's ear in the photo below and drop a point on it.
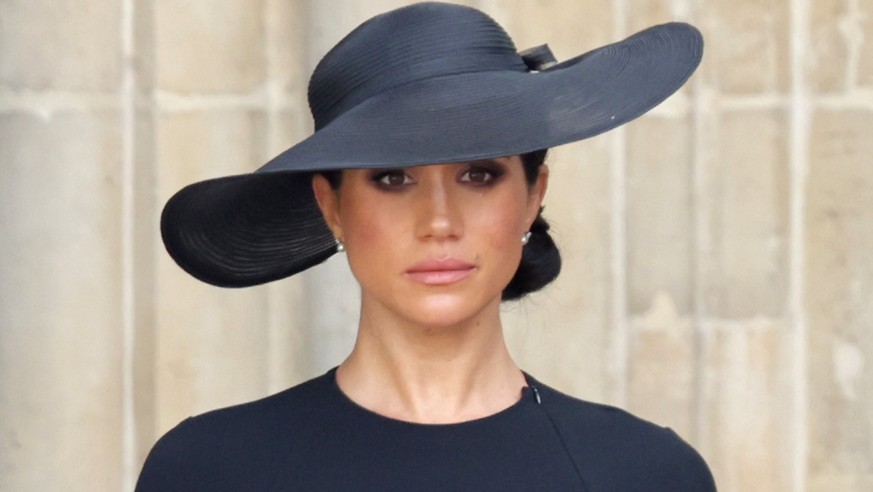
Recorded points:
(538, 193)
(328, 203)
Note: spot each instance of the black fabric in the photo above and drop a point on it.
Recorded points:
(312, 437)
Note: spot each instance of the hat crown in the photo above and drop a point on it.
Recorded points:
(413, 43)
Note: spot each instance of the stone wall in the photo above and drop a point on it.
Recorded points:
(718, 252)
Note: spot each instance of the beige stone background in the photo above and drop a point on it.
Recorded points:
(718, 252)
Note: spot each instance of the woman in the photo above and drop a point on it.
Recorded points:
(427, 169)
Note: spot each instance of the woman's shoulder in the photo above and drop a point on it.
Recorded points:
(221, 445)
(248, 419)
(609, 443)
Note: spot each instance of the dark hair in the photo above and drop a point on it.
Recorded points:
(540, 258)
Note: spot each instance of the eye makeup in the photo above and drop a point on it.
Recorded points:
(482, 173)
(479, 174)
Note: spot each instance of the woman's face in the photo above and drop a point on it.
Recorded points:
(434, 245)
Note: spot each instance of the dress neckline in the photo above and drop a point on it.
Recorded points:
(529, 396)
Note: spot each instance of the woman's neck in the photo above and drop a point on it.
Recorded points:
(426, 374)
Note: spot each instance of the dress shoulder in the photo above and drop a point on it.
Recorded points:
(212, 450)
(615, 450)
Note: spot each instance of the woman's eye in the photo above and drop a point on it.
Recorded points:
(479, 175)
(392, 179)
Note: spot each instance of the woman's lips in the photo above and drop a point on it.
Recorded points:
(440, 272)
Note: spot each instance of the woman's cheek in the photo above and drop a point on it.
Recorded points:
(503, 226)
(368, 222)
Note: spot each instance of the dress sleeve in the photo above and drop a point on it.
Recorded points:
(171, 463)
(690, 472)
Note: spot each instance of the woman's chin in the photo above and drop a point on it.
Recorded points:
(445, 311)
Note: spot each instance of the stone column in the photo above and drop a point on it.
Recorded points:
(61, 247)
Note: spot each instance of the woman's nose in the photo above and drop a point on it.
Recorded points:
(438, 211)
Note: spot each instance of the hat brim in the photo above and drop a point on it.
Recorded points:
(250, 229)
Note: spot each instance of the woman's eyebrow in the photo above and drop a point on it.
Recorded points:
(486, 162)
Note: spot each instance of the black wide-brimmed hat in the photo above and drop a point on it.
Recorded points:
(424, 84)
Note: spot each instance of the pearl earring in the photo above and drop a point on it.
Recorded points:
(525, 238)
(340, 247)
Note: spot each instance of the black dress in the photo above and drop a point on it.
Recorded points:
(312, 437)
